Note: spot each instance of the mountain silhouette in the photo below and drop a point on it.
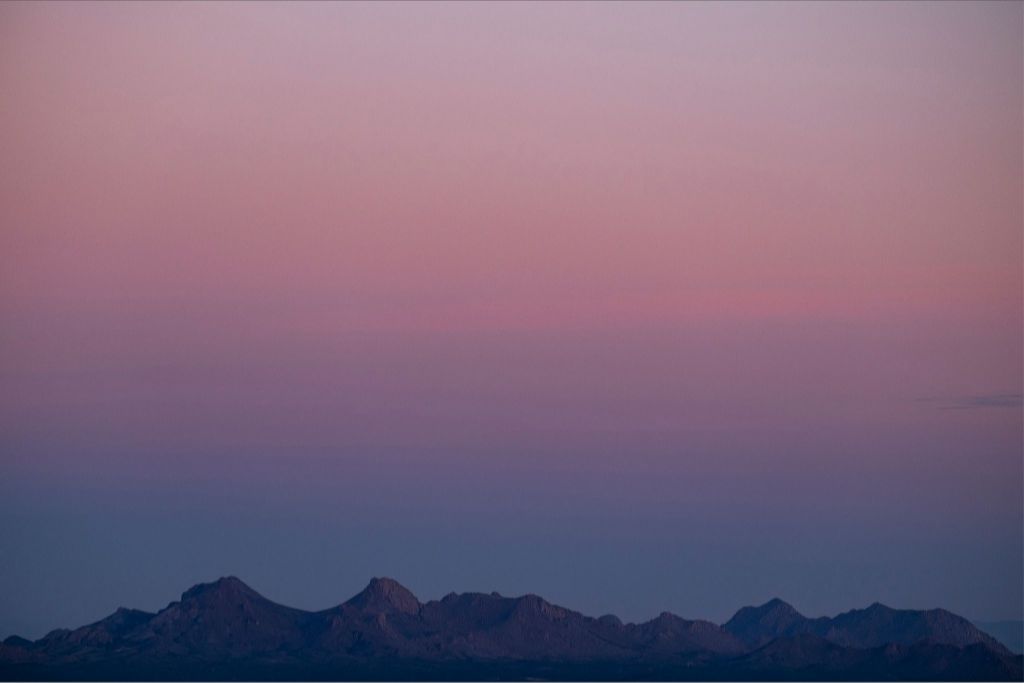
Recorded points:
(225, 618)
(860, 628)
(226, 630)
(756, 626)
(385, 595)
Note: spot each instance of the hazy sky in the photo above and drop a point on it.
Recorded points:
(637, 307)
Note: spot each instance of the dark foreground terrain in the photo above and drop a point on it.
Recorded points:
(225, 630)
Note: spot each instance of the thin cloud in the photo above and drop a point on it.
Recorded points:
(976, 402)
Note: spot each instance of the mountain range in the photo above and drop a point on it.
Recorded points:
(226, 630)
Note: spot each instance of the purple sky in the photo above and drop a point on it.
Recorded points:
(634, 306)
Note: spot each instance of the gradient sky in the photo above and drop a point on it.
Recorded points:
(634, 306)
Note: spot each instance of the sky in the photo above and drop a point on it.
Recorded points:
(638, 307)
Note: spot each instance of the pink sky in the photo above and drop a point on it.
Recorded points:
(649, 253)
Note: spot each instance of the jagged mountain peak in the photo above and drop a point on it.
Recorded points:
(225, 585)
(666, 617)
(17, 641)
(778, 604)
(774, 607)
(759, 625)
(383, 593)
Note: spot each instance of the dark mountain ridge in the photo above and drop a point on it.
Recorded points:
(859, 628)
(225, 629)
